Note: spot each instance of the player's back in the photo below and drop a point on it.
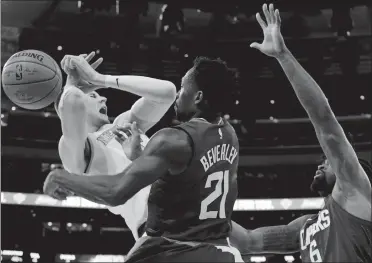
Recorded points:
(196, 205)
(335, 235)
(105, 156)
(189, 213)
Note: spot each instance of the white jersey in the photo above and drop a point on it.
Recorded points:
(108, 158)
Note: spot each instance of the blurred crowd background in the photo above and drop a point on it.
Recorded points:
(279, 150)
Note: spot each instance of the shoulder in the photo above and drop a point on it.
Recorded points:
(299, 222)
(353, 204)
(172, 144)
(169, 140)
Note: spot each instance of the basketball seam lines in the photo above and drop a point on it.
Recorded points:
(44, 96)
(55, 72)
(30, 82)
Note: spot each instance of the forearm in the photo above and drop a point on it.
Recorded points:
(97, 189)
(274, 239)
(149, 88)
(307, 90)
(271, 239)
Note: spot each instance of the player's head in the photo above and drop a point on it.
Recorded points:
(95, 106)
(204, 88)
(325, 179)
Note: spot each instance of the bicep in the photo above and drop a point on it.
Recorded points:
(144, 171)
(342, 158)
(165, 152)
(73, 115)
(146, 113)
(72, 155)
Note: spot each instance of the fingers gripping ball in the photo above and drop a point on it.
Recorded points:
(31, 79)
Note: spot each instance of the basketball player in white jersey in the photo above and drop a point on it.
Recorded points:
(91, 145)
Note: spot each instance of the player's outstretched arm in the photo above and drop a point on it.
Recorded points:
(157, 95)
(272, 239)
(352, 185)
(166, 154)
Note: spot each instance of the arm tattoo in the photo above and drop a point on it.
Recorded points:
(280, 238)
(276, 239)
(285, 238)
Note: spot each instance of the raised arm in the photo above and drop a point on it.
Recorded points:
(72, 113)
(352, 189)
(71, 109)
(272, 239)
(168, 152)
(157, 95)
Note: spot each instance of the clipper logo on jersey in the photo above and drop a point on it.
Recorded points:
(224, 152)
(323, 222)
(106, 136)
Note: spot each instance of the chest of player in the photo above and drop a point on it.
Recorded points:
(107, 154)
(314, 237)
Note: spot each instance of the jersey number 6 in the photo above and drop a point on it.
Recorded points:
(222, 182)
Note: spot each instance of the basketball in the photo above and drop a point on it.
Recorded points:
(31, 79)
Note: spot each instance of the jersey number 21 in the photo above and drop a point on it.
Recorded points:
(221, 187)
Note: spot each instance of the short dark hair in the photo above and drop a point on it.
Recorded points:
(216, 80)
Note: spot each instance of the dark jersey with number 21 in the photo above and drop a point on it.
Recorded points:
(196, 205)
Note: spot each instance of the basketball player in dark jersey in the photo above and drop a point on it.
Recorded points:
(341, 231)
(192, 168)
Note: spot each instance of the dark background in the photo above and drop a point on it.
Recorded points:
(279, 152)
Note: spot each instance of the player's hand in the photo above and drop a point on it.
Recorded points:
(129, 136)
(273, 44)
(53, 189)
(85, 71)
(73, 77)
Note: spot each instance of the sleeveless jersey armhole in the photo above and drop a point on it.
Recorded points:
(192, 144)
(88, 155)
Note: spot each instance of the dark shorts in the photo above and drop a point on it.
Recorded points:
(159, 249)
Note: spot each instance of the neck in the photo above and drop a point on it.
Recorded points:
(210, 117)
(91, 128)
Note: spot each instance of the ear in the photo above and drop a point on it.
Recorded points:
(198, 96)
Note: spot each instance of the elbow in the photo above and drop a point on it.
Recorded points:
(326, 112)
(73, 101)
(169, 92)
(322, 113)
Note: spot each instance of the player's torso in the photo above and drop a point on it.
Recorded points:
(107, 157)
(197, 204)
(335, 236)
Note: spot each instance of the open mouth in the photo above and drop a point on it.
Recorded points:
(103, 110)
